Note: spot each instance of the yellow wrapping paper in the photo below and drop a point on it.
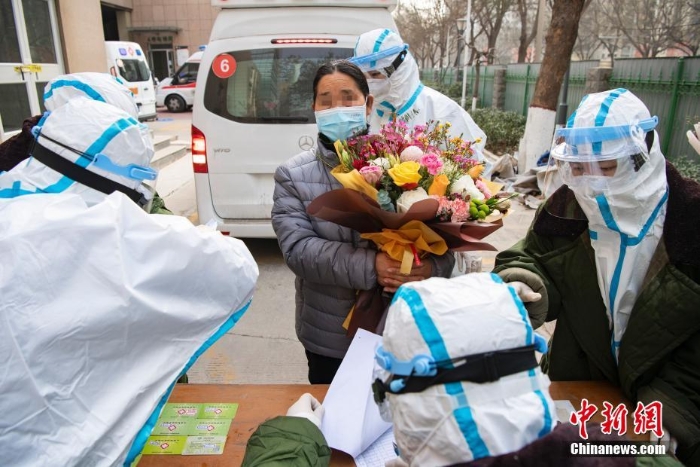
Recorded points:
(397, 243)
(354, 181)
(346, 323)
(493, 186)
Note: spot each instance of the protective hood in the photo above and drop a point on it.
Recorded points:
(103, 308)
(377, 50)
(91, 135)
(101, 87)
(618, 177)
(434, 324)
(402, 95)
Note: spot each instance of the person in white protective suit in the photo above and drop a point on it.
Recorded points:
(98, 86)
(460, 375)
(103, 306)
(457, 375)
(101, 87)
(613, 256)
(394, 81)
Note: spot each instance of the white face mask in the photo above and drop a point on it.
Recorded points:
(379, 87)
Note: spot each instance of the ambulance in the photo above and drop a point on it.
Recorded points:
(253, 97)
(126, 61)
(177, 92)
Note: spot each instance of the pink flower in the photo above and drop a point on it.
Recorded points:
(460, 210)
(444, 210)
(432, 163)
(482, 188)
(372, 174)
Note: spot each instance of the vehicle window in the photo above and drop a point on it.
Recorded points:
(269, 85)
(188, 73)
(133, 70)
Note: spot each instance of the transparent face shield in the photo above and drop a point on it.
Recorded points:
(595, 161)
(382, 64)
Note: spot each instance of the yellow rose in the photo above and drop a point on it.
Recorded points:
(439, 185)
(405, 173)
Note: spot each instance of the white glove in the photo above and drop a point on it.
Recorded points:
(524, 291)
(693, 138)
(308, 407)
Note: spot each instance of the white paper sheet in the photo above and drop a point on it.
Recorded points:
(379, 452)
(352, 422)
(564, 409)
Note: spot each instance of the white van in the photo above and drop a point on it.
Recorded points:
(127, 61)
(252, 106)
(177, 91)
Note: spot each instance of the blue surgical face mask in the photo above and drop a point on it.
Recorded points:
(341, 122)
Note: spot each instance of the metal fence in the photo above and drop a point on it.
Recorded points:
(670, 87)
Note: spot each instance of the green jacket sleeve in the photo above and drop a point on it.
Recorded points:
(158, 206)
(287, 442)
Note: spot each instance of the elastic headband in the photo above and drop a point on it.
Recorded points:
(478, 368)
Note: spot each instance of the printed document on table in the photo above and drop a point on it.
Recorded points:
(379, 452)
(352, 422)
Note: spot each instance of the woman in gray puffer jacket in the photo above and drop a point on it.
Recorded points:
(331, 262)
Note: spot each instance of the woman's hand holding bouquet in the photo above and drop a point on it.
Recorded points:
(413, 192)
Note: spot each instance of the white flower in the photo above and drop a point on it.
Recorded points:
(411, 153)
(382, 162)
(465, 187)
(407, 199)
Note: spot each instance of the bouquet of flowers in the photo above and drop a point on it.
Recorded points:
(407, 166)
(412, 191)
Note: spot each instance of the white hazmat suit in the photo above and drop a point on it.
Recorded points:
(103, 305)
(620, 184)
(432, 326)
(101, 87)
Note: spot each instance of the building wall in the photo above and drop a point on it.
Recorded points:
(82, 36)
(193, 18)
(123, 4)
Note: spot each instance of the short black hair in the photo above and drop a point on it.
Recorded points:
(347, 68)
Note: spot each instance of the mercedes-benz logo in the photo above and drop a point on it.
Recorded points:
(306, 142)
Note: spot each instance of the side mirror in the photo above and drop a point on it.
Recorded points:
(156, 81)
